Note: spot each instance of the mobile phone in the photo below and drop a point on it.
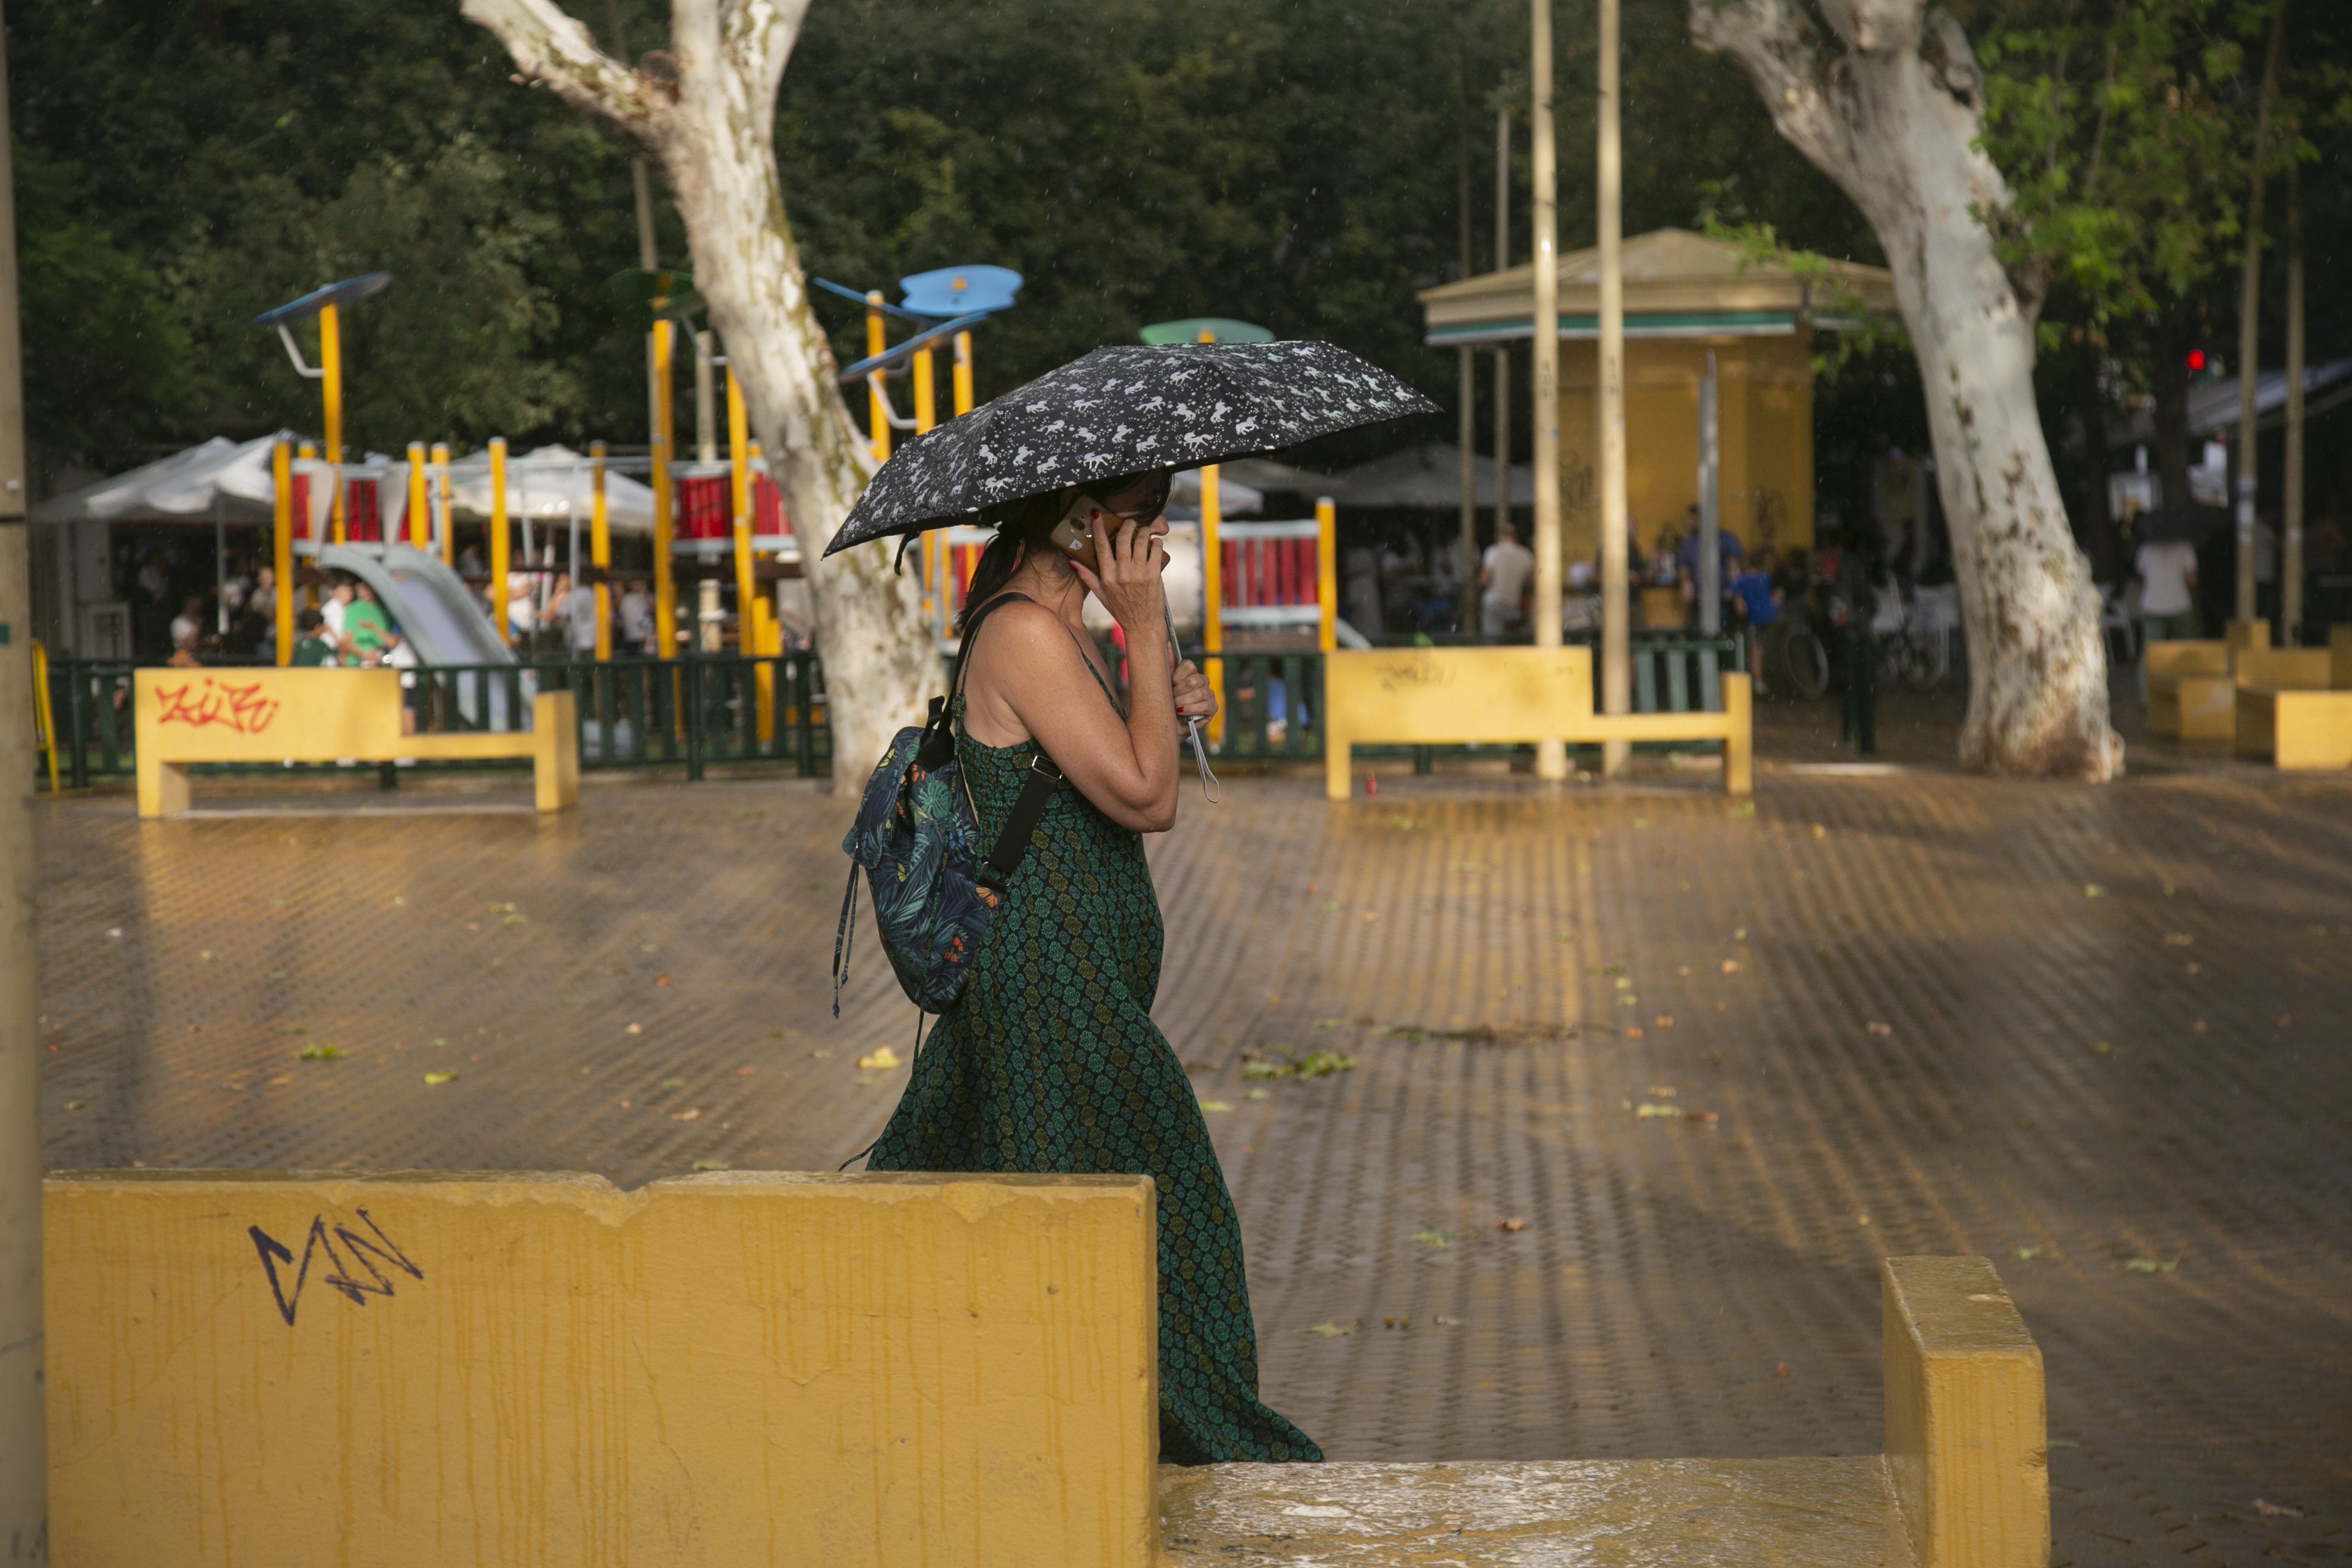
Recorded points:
(1075, 535)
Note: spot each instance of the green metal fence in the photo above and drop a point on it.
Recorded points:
(691, 713)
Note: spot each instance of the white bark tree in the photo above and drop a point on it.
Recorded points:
(706, 107)
(1892, 108)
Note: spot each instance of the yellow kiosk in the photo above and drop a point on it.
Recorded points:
(1686, 297)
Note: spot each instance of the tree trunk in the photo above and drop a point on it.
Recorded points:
(706, 109)
(1893, 110)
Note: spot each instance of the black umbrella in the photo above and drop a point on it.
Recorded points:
(1125, 411)
(2192, 523)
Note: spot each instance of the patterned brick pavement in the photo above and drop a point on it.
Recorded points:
(2099, 1035)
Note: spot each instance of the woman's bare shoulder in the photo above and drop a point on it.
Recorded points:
(1026, 635)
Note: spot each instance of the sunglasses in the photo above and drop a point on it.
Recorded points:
(1138, 507)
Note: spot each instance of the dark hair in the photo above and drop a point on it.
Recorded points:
(1022, 526)
(309, 620)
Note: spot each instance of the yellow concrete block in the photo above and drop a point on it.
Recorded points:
(2296, 729)
(556, 749)
(2205, 708)
(2244, 634)
(2339, 657)
(1965, 1427)
(818, 1372)
(2187, 656)
(2290, 669)
(2189, 691)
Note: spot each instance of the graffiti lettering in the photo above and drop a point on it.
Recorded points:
(360, 1249)
(240, 708)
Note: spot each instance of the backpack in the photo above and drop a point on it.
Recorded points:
(916, 838)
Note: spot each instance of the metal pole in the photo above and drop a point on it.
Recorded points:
(1710, 504)
(1212, 599)
(1465, 440)
(2291, 501)
(1552, 754)
(420, 518)
(1616, 648)
(2250, 293)
(24, 1462)
(443, 523)
(220, 568)
(1502, 367)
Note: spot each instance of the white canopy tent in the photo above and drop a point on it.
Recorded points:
(552, 484)
(186, 487)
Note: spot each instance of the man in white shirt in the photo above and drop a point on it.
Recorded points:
(580, 621)
(1502, 574)
(637, 618)
(2168, 583)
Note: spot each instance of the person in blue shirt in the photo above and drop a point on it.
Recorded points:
(1758, 603)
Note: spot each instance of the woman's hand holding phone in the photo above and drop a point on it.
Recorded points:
(1128, 560)
(1193, 697)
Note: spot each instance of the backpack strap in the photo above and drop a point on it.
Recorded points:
(1038, 788)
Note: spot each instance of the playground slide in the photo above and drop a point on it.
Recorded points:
(426, 599)
(439, 619)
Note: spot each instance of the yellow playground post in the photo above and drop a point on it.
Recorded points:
(600, 548)
(500, 543)
(665, 586)
(281, 546)
(877, 398)
(962, 373)
(739, 503)
(331, 385)
(1326, 572)
(45, 721)
(443, 525)
(1212, 598)
(420, 521)
(925, 415)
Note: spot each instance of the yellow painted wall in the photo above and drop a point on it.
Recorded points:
(895, 1371)
(1764, 431)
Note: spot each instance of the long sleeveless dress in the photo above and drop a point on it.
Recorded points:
(1050, 1062)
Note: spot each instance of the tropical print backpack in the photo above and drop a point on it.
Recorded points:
(916, 838)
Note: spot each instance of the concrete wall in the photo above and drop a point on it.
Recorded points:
(730, 1369)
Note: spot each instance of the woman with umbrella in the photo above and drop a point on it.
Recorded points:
(1049, 1061)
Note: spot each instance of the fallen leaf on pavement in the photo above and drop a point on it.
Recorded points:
(437, 1079)
(1396, 1323)
(1445, 1323)
(1431, 1237)
(1665, 1021)
(712, 1165)
(2197, 1026)
(2283, 1019)
(1333, 1331)
(661, 980)
(2152, 1265)
(1634, 1033)
(672, 1083)
(2093, 890)
(1820, 832)
(2101, 1048)
(1215, 1105)
(2028, 1254)
(1662, 1090)
(881, 1060)
(1881, 1030)
(322, 1054)
(692, 1113)
(1513, 1226)
(2177, 939)
(1779, 1369)
(2275, 1510)
(637, 1029)
(745, 1072)
(1731, 967)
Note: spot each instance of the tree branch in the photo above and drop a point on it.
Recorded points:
(1794, 69)
(552, 47)
(761, 33)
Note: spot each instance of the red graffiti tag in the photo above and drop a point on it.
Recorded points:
(241, 708)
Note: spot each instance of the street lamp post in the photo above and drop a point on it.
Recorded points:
(1616, 662)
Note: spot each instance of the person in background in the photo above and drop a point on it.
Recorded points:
(184, 654)
(1503, 576)
(2167, 569)
(262, 600)
(636, 613)
(312, 650)
(367, 630)
(521, 614)
(580, 621)
(188, 624)
(331, 611)
(1758, 602)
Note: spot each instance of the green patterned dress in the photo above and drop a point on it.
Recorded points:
(1050, 1062)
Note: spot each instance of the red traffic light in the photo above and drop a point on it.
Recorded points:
(2196, 358)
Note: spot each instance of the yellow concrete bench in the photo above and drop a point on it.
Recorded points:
(2190, 691)
(234, 715)
(839, 1372)
(1502, 696)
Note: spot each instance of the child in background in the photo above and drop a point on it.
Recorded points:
(311, 648)
(1758, 604)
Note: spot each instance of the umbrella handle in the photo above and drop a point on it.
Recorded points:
(1211, 791)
